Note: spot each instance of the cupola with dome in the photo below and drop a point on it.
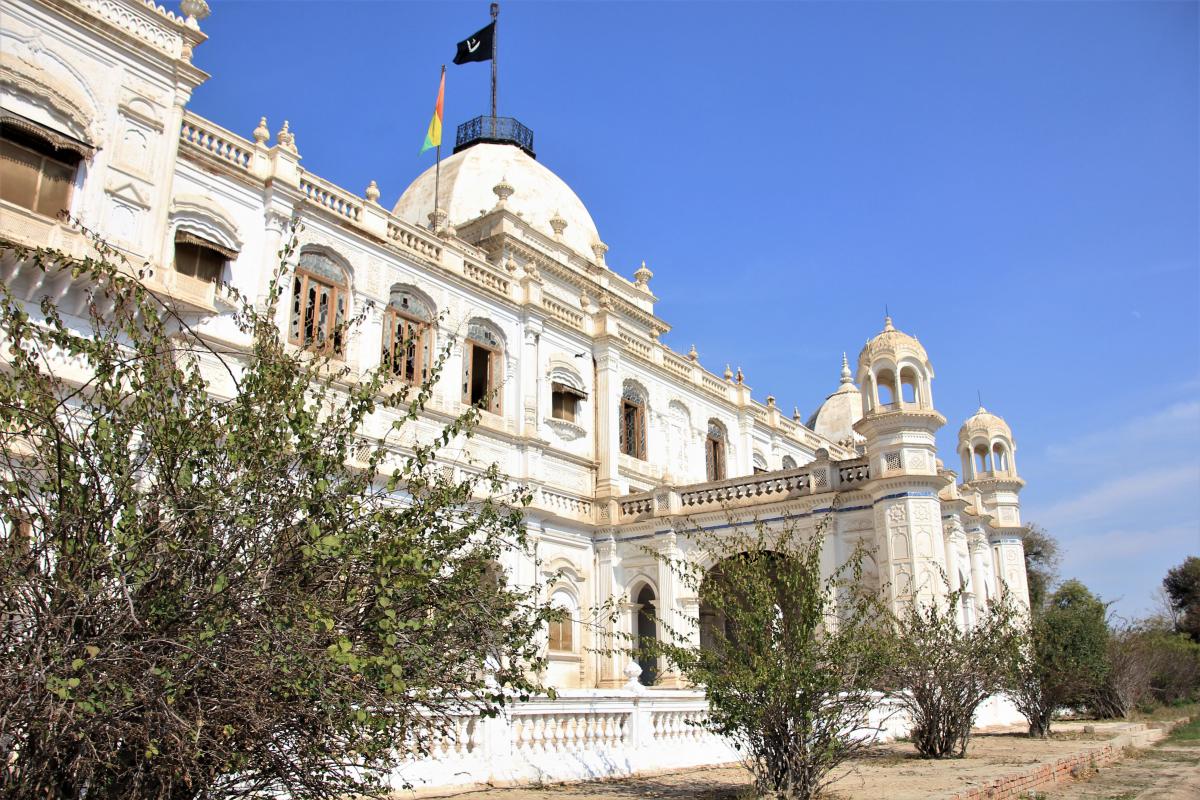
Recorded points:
(485, 173)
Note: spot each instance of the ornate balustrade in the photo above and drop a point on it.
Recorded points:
(583, 733)
(213, 140)
(337, 200)
(764, 487)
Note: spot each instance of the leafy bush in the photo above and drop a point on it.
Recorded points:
(788, 659)
(941, 670)
(235, 595)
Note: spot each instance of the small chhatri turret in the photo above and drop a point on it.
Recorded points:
(987, 449)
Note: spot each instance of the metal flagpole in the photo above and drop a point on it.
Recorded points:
(437, 165)
(495, 47)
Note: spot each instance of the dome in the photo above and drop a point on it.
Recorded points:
(465, 191)
(985, 424)
(836, 417)
(893, 343)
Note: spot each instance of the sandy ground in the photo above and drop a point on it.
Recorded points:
(891, 771)
(1164, 772)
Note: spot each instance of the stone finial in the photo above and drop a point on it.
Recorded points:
(262, 133)
(846, 370)
(598, 250)
(740, 377)
(692, 354)
(510, 265)
(584, 301)
(558, 224)
(654, 334)
(642, 277)
(285, 138)
(633, 671)
(795, 413)
(605, 302)
(770, 401)
(194, 11)
(437, 219)
(372, 193)
(503, 190)
(887, 323)
(728, 374)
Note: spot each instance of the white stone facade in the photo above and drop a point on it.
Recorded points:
(516, 258)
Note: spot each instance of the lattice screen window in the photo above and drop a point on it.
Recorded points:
(891, 460)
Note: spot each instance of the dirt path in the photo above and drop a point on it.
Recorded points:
(1167, 771)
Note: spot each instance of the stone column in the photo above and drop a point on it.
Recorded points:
(608, 400)
(977, 545)
(609, 664)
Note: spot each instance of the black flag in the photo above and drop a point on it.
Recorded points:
(478, 47)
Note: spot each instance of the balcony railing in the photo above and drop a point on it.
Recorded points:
(494, 130)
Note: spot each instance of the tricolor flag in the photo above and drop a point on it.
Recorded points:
(433, 138)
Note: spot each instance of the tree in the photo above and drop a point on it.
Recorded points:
(1064, 658)
(1042, 558)
(788, 659)
(209, 596)
(942, 668)
(1149, 664)
(1182, 586)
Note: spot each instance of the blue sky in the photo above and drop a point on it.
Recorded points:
(1017, 181)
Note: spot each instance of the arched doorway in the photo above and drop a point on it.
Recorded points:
(645, 634)
(726, 592)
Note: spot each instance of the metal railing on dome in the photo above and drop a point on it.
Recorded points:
(494, 130)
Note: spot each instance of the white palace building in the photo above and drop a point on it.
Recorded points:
(623, 441)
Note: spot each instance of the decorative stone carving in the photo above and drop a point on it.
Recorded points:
(262, 133)
(372, 193)
(598, 250)
(692, 354)
(642, 277)
(503, 190)
(558, 225)
(286, 139)
(196, 10)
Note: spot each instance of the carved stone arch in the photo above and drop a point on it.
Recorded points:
(561, 370)
(62, 106)
(635, 385)
(323, 248)
(638, 580)
(206, 219)
(430, 311)
(561, 565)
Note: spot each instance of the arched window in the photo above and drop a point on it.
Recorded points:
(645, 633)
(714, 451)
(999, 458)
(562, 630)
(320, 294)
(981, 459)
(760, 463)
(908, 385)
(633, 421)
(483, 363)
(408, 336)
(886, 386)
(788, 462)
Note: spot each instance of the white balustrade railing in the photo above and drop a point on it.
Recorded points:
(216, 141)
(331, 197)
(580, 734)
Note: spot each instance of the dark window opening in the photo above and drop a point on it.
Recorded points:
(633, 433)
(34, 173)
(197, 261)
